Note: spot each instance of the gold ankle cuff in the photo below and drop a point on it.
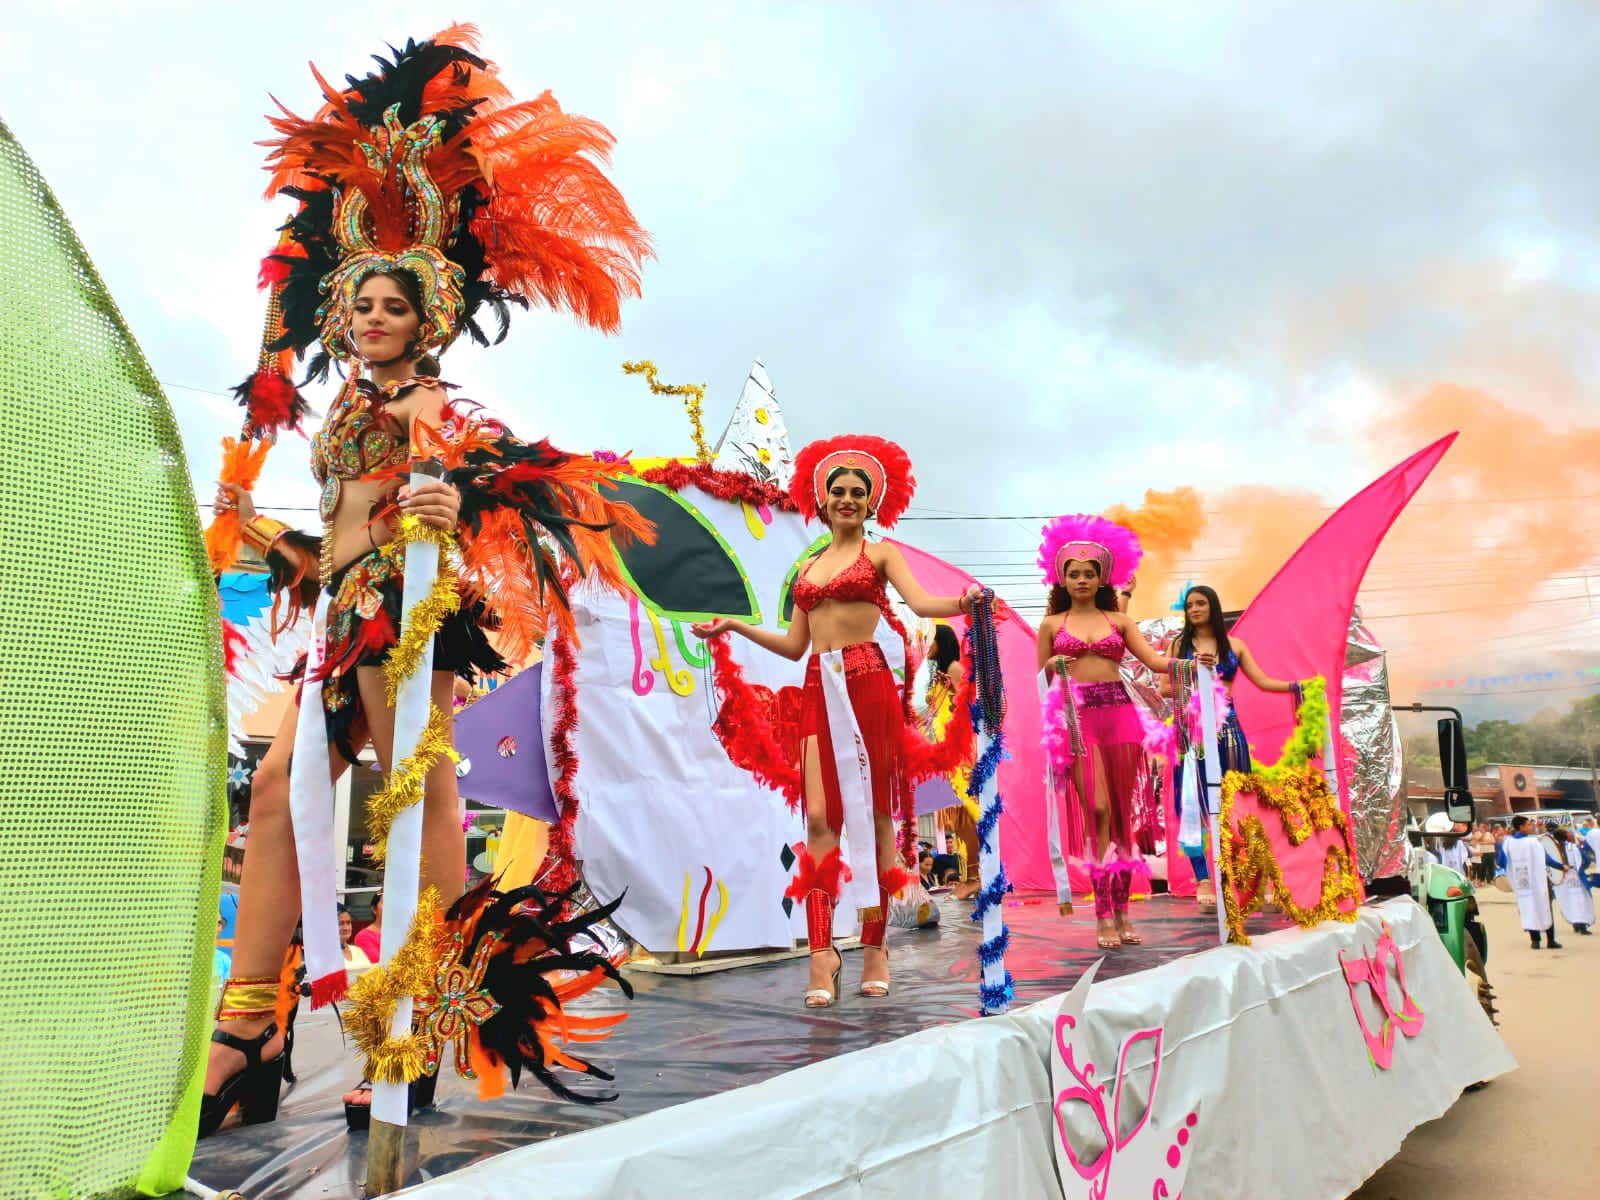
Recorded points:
(246, 998)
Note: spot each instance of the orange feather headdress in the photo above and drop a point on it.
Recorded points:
(428, 165)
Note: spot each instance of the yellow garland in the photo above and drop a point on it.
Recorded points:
(404, 787)
(1301, 798)
(369, 1011)
(693, 394)
(419, 625)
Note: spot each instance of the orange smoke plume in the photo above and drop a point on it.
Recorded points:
(1481, 574)
(1168, 523)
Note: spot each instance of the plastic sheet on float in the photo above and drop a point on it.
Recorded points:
(1263, 1037)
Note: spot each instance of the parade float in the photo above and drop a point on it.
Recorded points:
(1180, 1066)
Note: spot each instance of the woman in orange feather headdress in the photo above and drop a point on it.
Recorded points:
(426, 197)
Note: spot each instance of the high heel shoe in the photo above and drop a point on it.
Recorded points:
(823, 997)
(254, 1089)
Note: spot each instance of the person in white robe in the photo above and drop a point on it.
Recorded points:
(1572, 893)
(1453, 854)
(1523, 860)
(1590, 837)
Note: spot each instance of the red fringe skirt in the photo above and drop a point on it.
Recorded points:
(875, 700)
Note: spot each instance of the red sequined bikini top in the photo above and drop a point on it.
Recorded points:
(360, 437)
(1109, 647)
(859, 581)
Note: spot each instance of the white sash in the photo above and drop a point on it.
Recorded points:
(858, 839)
(402, 875)
(1052, 803)
(311, 812)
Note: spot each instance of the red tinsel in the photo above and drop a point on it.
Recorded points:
(234, 646)
(564, 665)
(724, 485)
(812, 876)
(744, 726)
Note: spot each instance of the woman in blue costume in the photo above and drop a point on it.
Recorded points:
(1204, 637)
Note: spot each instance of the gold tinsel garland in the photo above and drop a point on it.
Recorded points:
(693, 394)
(1301, 798)
(369, 1011)
(422, 622)
(404, 787)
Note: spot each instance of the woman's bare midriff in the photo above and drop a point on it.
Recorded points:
(836, 624)
(352, 536)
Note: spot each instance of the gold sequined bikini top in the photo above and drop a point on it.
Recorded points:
(360, 437)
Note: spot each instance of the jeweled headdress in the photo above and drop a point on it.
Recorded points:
(427, 165)
(1089, 539)
(886, 466)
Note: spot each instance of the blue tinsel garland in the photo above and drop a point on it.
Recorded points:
(996, 999)
(987, 715)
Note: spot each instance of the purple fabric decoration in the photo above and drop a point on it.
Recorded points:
(501, 742)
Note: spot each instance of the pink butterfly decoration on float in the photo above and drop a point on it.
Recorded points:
(1119, 1150)
(1373, 970)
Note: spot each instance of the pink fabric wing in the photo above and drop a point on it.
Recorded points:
(1298, 624)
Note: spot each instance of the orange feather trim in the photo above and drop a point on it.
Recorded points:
(241, 465)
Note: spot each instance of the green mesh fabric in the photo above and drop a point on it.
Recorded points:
(112, 734)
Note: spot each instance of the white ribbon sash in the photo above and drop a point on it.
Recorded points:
(311, 812)
(1052, 802)
(858, 839)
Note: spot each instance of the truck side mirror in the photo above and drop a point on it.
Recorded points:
(1453, 766)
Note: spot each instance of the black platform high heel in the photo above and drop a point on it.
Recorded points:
(254, 1090)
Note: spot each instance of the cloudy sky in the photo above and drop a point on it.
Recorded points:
(1064, 253)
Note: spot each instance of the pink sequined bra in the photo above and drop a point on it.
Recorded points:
(859, 581)
(1109, 647)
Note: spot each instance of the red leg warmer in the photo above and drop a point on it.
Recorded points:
(819, 920)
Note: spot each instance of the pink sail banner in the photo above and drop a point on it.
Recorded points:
(1297, 625)
(1022, 824)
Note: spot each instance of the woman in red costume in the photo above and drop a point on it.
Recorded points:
(1093, 731)
(425, 196)
(839, 597)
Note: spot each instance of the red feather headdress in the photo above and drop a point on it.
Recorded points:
(886, 466)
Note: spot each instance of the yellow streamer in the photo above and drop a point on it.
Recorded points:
(419, 625)
(753, 521)
(693, 394)
(716, 917)
(678, 679)
(683, 919)
(369, 1011)
(404, 787)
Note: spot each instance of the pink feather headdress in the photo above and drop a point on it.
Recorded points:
(1089, 539)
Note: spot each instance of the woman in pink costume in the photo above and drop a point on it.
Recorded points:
(1094, 735)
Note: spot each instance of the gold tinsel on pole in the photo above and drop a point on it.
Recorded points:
(693, 394)
(369, 1010)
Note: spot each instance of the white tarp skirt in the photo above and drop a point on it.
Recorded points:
(1262, 1036)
